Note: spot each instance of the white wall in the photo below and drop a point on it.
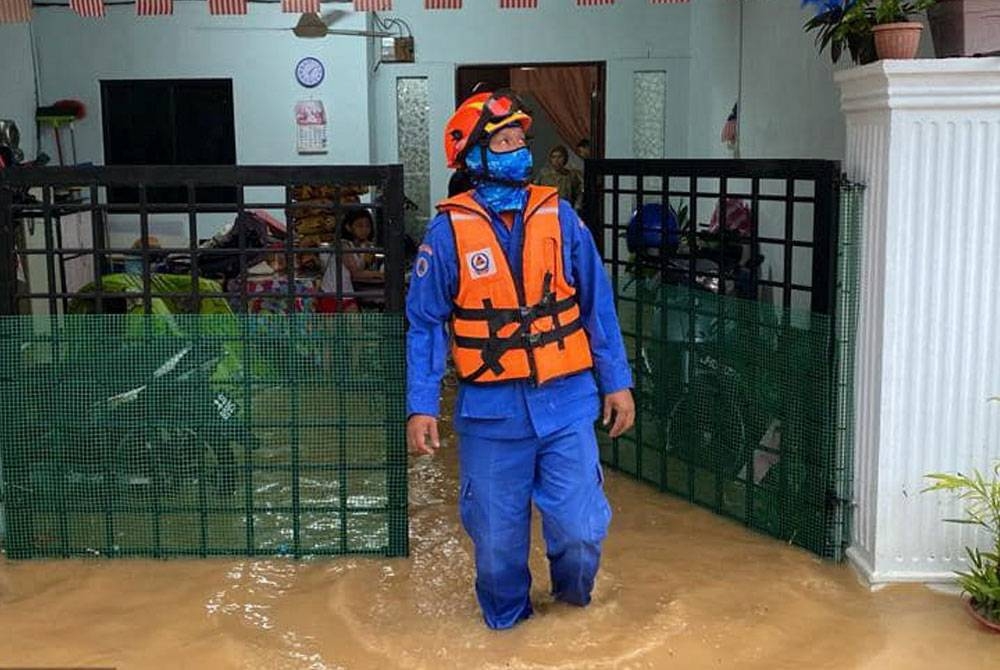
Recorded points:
(17, 86)
(715, 62)
(697, 43)
(791, 107)
(557, 31)
(75, 54)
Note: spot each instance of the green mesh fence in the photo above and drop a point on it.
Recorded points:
(848, 302)
(744, 407)
(165, 435)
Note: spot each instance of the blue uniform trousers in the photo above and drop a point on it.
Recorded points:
(500, 477)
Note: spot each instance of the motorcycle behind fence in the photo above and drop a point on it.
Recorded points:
(709, 345)
(132, 419)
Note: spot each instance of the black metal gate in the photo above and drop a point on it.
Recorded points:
(188, 368)
(728, 276)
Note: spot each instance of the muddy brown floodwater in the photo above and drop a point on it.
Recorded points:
(679, 588)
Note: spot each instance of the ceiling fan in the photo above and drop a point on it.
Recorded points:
(311, 25)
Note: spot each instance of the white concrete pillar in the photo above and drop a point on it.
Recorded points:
(924, 135)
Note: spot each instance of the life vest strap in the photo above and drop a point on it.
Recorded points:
(513, 314)
(493, 348)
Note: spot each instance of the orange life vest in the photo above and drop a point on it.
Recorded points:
(503, 329)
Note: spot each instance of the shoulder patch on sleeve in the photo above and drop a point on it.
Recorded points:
(422, 266)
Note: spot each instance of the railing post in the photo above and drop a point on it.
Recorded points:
(591, 203)
(394, 270)
(8, 254)
(394, 374)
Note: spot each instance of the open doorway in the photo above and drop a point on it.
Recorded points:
(566, 101)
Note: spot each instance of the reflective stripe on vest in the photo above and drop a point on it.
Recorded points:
(502, 329)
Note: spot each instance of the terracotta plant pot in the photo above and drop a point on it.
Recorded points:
(897, 40)
(992, 625)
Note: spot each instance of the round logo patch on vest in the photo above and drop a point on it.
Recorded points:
(422, 266)
(481, 263)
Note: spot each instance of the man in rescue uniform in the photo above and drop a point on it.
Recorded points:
(513, 274)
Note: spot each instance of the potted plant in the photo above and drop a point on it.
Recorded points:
(867, 28)
(982, 499)
(896, 36)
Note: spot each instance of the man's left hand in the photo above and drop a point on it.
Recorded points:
(622, 407)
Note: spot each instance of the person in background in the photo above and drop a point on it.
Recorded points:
(359, 233)
(338, 302)
(514, 274)
(568, 181)
(365, 267)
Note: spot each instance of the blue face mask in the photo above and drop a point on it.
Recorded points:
(512, 167)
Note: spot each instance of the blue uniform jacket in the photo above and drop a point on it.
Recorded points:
(518, 408)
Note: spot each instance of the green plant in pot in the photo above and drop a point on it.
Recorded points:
(981, 496)
(867, 29)
(897, 33)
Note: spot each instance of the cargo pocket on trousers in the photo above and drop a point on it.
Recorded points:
(468, 508)
(600, 517)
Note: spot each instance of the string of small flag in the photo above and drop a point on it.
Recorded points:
(19, 11)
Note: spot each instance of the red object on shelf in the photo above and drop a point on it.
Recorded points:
(71, 107)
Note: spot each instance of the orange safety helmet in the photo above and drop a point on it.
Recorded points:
(477, 118)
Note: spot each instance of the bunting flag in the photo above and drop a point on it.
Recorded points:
(518, 4)
(15, 11)
(154, 7)
(227, 7)
(372, 5)
(593, 3)
(442, 4)
(91, 8)
(300, 6)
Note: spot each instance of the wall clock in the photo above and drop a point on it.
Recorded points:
(309, 72)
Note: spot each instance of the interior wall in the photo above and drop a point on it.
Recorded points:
(75, 54)
(791, 107)
(715, 58)
(697, 43)
(17, 84)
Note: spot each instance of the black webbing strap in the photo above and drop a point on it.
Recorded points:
(509, 315)
(493, 348)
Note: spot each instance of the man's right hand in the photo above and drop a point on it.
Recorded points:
(422, 434)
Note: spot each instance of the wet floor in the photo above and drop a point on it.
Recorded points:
(679, 588)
